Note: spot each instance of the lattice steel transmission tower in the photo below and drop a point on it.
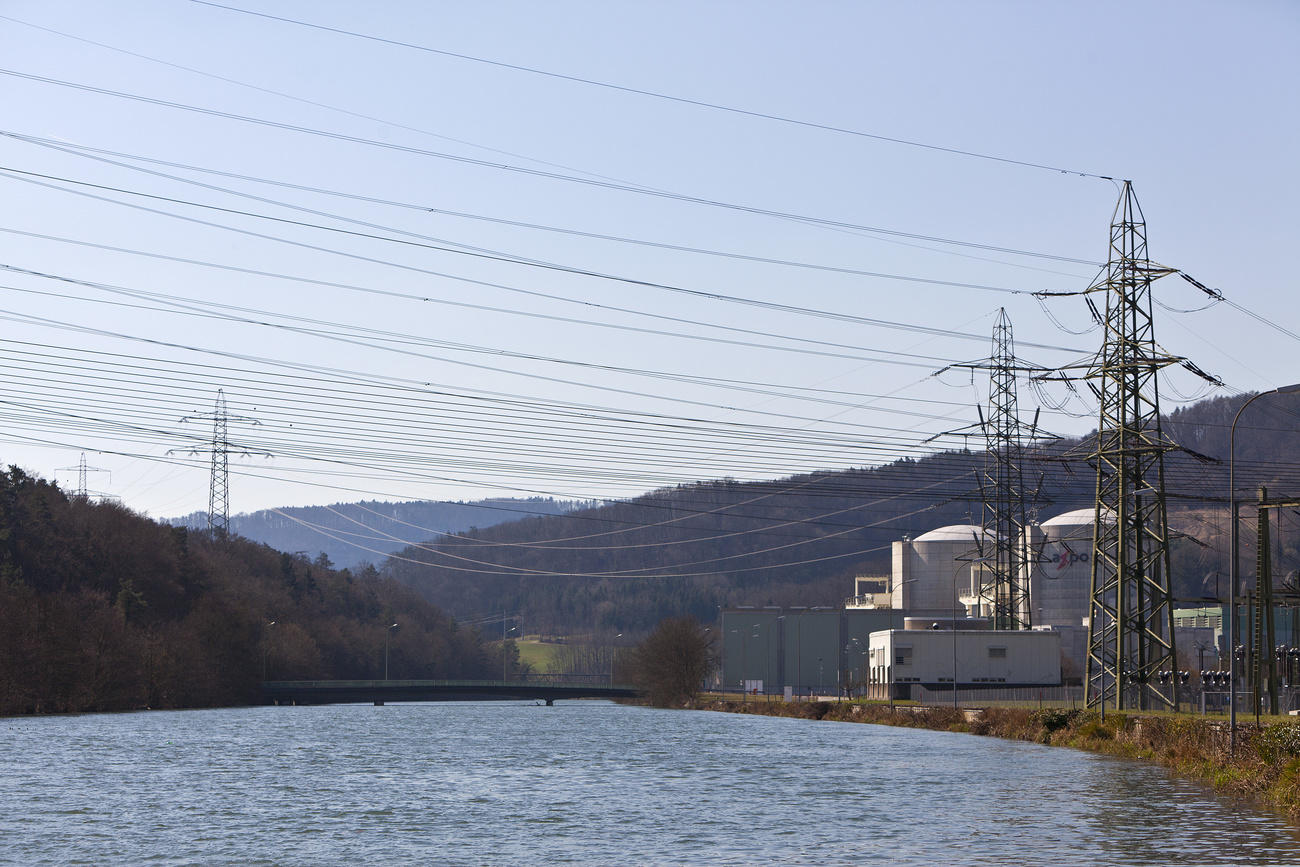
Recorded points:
(1002, 549)
(1130, 614)
(1002, 486)
(219, 486)
(83, 492)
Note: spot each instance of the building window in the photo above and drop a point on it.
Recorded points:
(997, 653)
(902, 656)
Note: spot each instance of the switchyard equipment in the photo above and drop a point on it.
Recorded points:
(1263, 638)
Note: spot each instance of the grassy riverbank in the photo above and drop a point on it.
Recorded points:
(1265, 766)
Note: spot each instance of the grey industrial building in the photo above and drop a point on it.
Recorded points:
(805, 650)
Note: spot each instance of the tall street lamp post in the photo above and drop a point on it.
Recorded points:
(1232, 565)
(505, 660)
(854, 661)
(740, 636)
(956, 598)
(387, 633)
(266, 649)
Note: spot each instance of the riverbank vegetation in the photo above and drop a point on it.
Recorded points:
(673, 660)
(1265, 766)
(103, 609)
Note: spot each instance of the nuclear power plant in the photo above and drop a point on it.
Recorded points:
(938, 597)
(879, 642)
(1011, 602)
(943, 576)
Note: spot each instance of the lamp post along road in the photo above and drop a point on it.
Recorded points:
(504, 638)
(955, 598)
(1232, 564)
(266, 648)
(387, 633)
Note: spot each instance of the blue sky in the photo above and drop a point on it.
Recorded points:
(517, 379)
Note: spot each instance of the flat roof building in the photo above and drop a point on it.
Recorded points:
(972, 658)
(813, 651)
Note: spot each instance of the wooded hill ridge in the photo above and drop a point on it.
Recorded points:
(103, 609)
(624, 566)
(354, 534)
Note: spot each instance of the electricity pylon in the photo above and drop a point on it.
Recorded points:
(82, 491)
(1003, 486)
(1130, 613)
(1002, 550)
(219, 485)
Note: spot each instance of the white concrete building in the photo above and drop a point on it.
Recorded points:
(976, 658)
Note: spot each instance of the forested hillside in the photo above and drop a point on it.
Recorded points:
(690, 549)
(101, 609)
(800, 540)
(353, 534)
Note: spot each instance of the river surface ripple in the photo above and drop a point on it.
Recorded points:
(586, 783)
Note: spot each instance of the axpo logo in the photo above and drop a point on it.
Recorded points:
(1064, 560)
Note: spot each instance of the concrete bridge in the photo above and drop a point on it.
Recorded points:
(381, 691)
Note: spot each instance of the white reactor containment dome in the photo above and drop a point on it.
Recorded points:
(931, 571)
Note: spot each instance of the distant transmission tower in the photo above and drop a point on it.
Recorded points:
(219, 486)
(83, 492)
(1130, 615)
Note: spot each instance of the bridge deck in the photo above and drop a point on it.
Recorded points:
(351, 691)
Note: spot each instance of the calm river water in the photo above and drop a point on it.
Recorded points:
(585, 782)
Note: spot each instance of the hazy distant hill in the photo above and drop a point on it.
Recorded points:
(799, 541)
(352, 534)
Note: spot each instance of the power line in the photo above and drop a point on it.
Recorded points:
(643, 191)
(297, 99)
(366, 336)
(79, 148)
(658, 95)
(785, 308)
(509, 258)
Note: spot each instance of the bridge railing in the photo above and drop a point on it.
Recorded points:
(545, 677)
(556, 681)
